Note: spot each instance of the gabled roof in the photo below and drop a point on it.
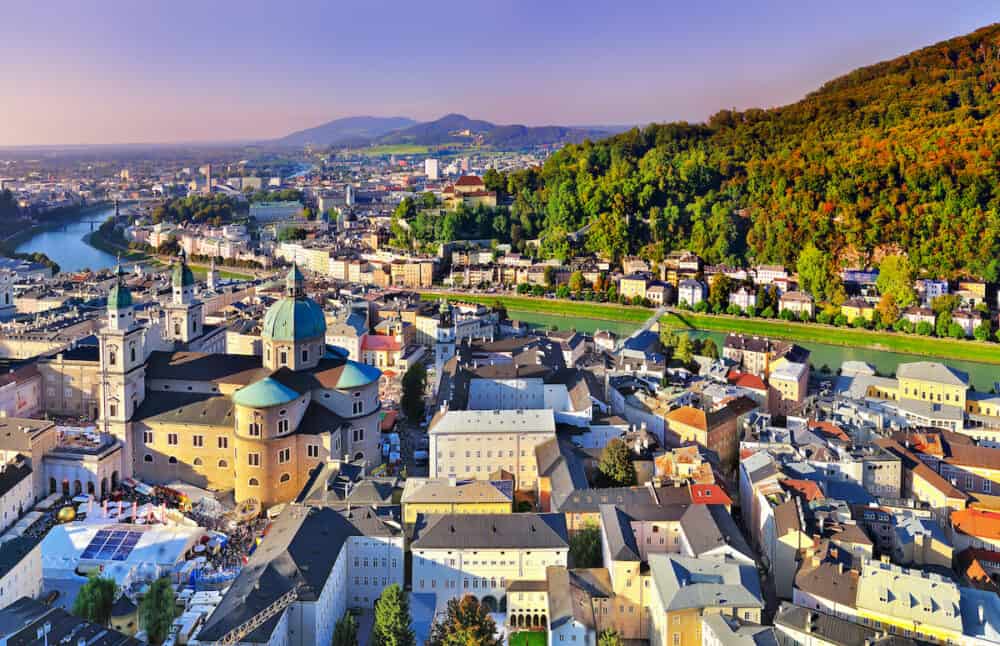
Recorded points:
(504, 531)
(932, 371)
(686, 583)
(619, 535)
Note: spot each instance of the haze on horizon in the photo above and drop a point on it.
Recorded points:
(186, 71)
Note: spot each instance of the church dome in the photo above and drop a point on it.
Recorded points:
(182, 275)
(295, 317)
(265, 393)
(120, 295)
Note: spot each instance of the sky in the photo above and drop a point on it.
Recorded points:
(112, 71)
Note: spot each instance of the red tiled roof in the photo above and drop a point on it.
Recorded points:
(829, 429)
(381, 343)
(709, 494)
(688, 416)
(747, 380)
(469, 180)
(978, 523)
(808, 489)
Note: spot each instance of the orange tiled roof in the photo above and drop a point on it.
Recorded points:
(689, 416)
(978, 523)
(709, 494)
(808, 489)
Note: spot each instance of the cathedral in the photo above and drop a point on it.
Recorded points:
(254, 425)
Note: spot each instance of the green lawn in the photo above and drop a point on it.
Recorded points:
(398, 149)
(528, 638)
(582, 309)
(964, 350)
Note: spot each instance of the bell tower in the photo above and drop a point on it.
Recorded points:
(184, 313)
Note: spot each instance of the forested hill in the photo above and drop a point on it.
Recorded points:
(901, 155)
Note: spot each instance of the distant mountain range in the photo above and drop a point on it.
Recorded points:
(449, 129)
(346, 131)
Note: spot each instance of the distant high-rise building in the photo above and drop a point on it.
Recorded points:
(431, 169)
(208, 178)
(349, 195)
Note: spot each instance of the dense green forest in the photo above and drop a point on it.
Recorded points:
(897, 157)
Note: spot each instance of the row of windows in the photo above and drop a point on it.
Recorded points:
(197, 441)
(476, 583)
(254, 482)
(374, 562)
(284, 455)
(198, 462)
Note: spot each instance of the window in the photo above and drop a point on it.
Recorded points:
(223, 442)
(112, 357)
(987, 485)
(172, 439)
(358, 407)
(177, 328)
(172, 460)
(305, 355)
(197, 462)
(147, 437)
(198, 441)
(253, 459)
(254, 429)
(312, 450)
(282, 426)
(283, 358)
(132, 352)
(284, 477)
(112, 410)
(359, 434)
(253, 482)
(223, 464)
(284, 455)
(147, 458)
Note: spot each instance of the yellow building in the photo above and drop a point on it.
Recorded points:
(928, 381)
(253, 424)
(856, 307)
(686, 589)
(911, 603)
(453, 496)
(633, 286)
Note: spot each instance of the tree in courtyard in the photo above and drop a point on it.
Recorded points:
(684, 350)
(549, 276)
(718, 292)
(345, 633)
(983, 331)
(576, 282)
(94, 600)
(616, 464)
(709, 349)
(887, 310)
(817, 274)
(414, 383)
(500, 309)
(157, 610)
(610, 638)
(466, 622)
(392, 619)
(585, 547)
(895, 276)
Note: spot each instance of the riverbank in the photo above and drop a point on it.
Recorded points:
(15, 239)
(908, 344)
(958, 349)
(96, 240)
(552, 306)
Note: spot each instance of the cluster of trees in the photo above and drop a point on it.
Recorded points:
(283, 195)
(898, 155)
(213, 209)
(413, 383)
(615, 468)
(683, 347)
(422, 222)
(288, 234)
(157, 609)
(465, 622)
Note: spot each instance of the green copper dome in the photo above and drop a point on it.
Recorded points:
(265, 393)
(119, 298)
(182, 275)
(294, 319)
(355, 375)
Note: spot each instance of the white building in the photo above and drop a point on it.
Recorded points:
(690, 291)
(479, 554)
(314, 564)
(431, 169)
(20, 569)
(476, 443)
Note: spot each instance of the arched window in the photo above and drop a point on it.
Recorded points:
(253, 482)
(197, 462)
(285, 477)
(172, 460)
(147, 458)
(223, 464)
(133, 352)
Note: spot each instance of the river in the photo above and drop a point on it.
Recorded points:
(64, 243)
(981, 375)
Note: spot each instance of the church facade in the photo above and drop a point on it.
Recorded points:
(252, 424)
